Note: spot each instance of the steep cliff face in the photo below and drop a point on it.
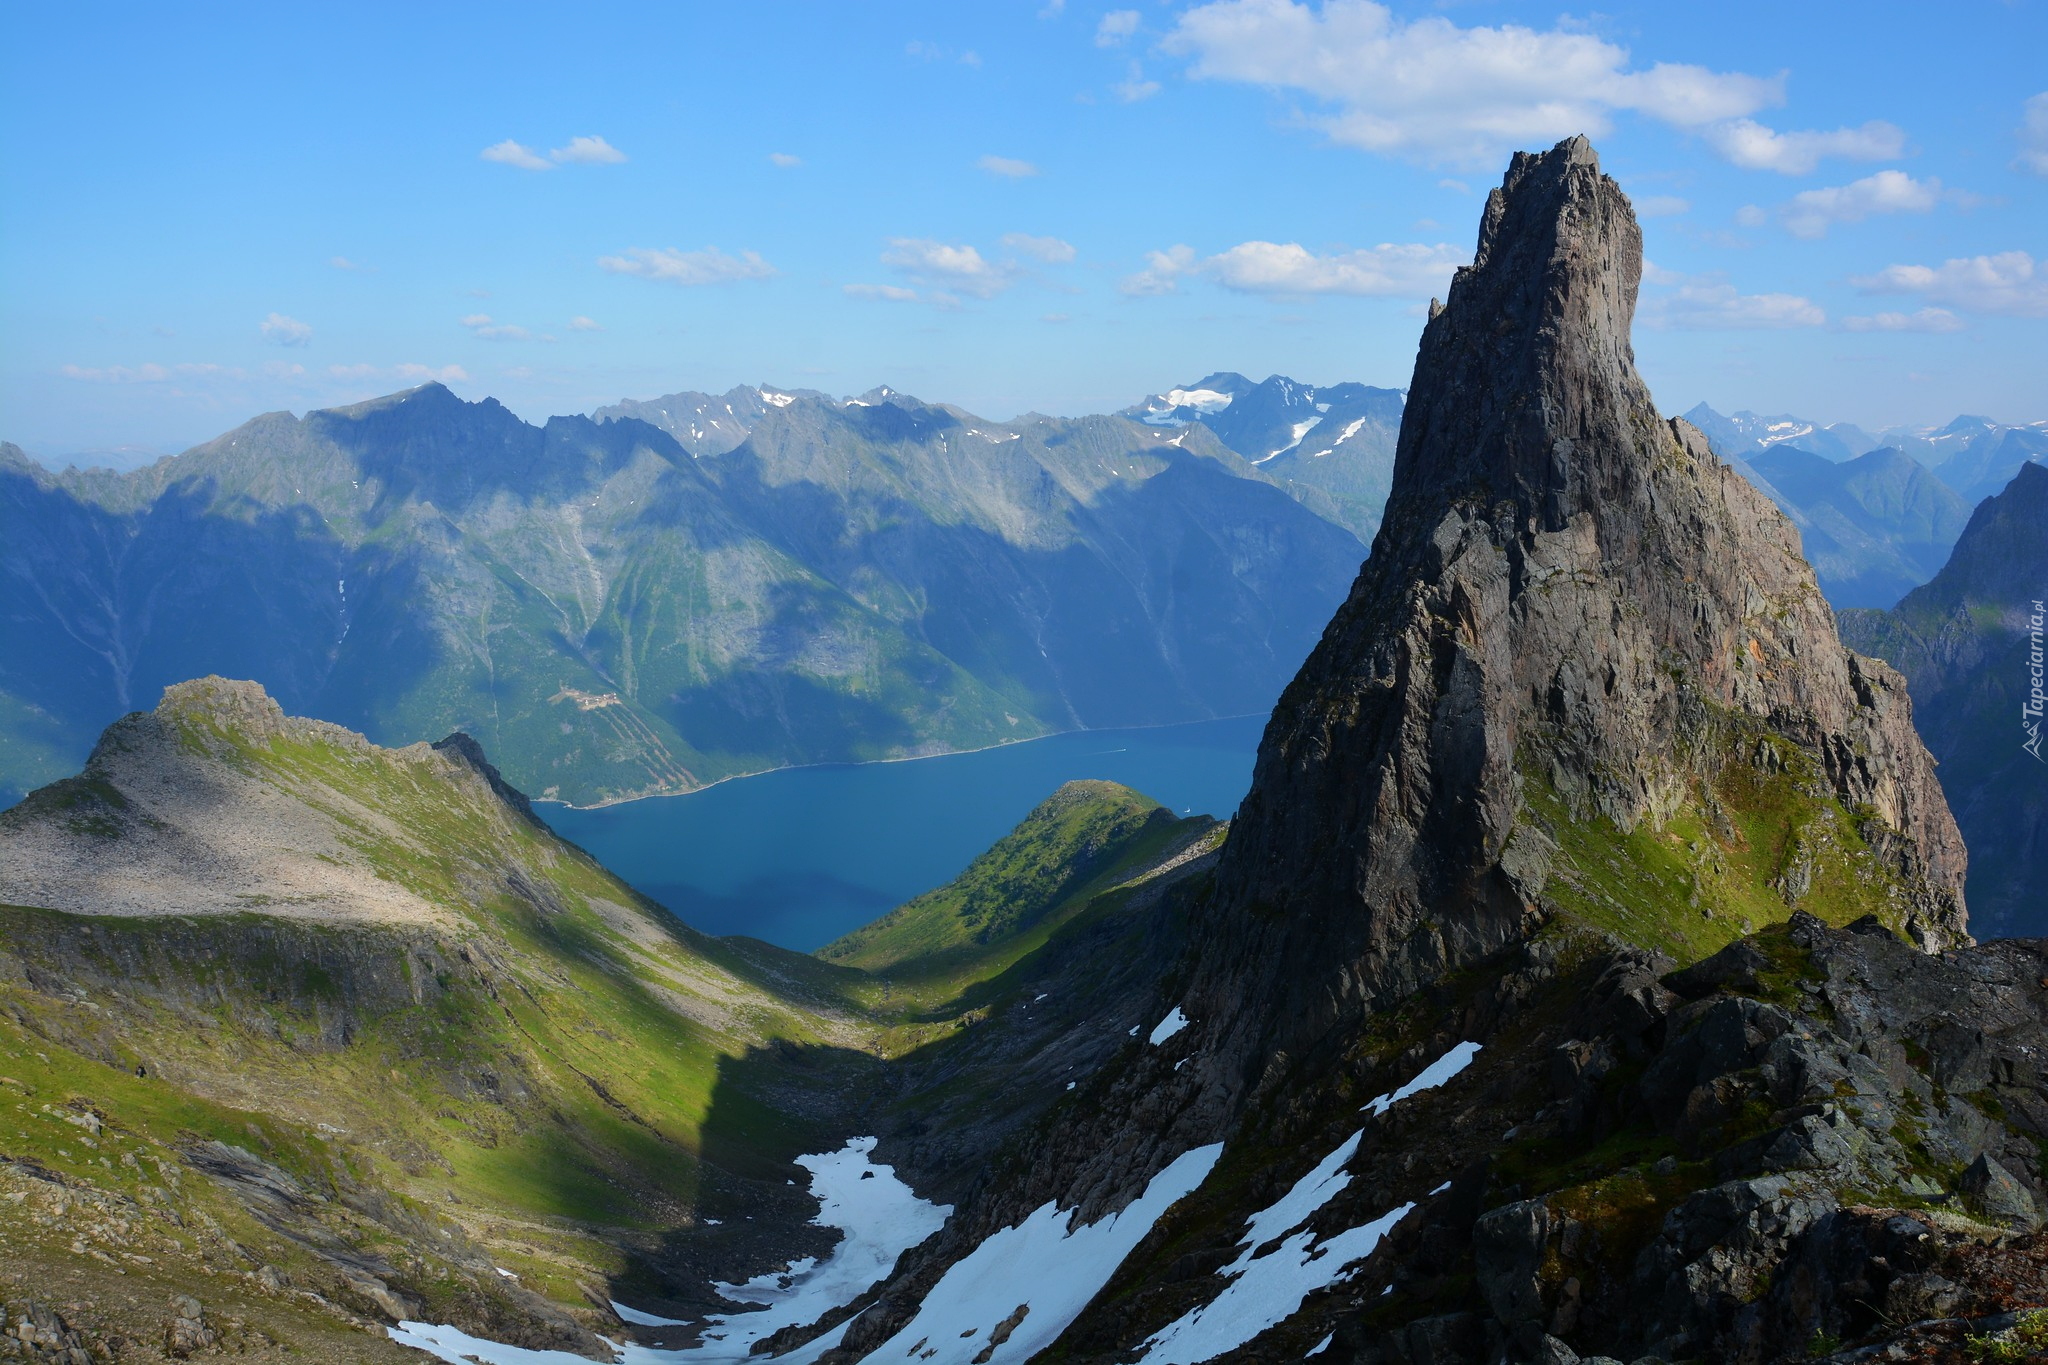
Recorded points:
(1585, 686)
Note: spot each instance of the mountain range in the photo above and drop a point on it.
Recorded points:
(1586, 977)
(615, 614)
(1878, 514)
(1331, 446)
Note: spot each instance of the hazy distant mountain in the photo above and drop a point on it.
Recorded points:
(1332, 446)
(1964, 642)
(1878, 514)
(1874, 528)
(703, 424)
(1973, 455)
(1746, 433)
(1987, 461)
(612, 616)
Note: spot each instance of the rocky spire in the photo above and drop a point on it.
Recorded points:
(1569, 591)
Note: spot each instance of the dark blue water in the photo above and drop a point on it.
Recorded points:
(801, 856)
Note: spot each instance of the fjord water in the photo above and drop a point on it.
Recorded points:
(800, 856)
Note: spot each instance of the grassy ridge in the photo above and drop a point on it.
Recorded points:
(1054, 856)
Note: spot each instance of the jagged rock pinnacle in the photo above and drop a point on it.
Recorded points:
(1567, 590)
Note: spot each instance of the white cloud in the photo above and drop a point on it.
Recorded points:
(580, 151)
(1055, 317)
(579, 323)
(970, 58)
(587, 151)
(1390, 270)
(282, 369)
(147, 373)
(947, 267)
(1116, 26)
(1163, 272)
(2011, 283)
(1923, 320)
(510, 153)
(785, 160)
(481, 325)
(1751, 145)
(1809, 213)
(344, 263)
(1661, 206)
(1751, 215)
(444, 374)
(1430, 90)
(1051, 250)
(709, 266)
(1454, 186)
(1408, 270)
(2033, 135)
(1008, 167)
(1707, 305)
(892, 293)
(1052, 9)
(280, 330)
(1134, 87)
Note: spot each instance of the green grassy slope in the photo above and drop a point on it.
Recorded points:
(1063, 853)
(1764, 838)
(539, 1064)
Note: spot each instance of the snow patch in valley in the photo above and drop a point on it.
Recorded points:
(1431, 1076)
(1044, 1265)
(880, 1216)
(1167, 1027)
(640, 1319)
(1265, 1290)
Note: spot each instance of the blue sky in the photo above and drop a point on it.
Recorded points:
(212, 211)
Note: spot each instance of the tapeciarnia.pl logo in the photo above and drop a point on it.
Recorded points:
(2030, 714)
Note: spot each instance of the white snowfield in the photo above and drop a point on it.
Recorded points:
(1173, 1023)
(881, 1217)
(1045, 1267)
(1026, 1283)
